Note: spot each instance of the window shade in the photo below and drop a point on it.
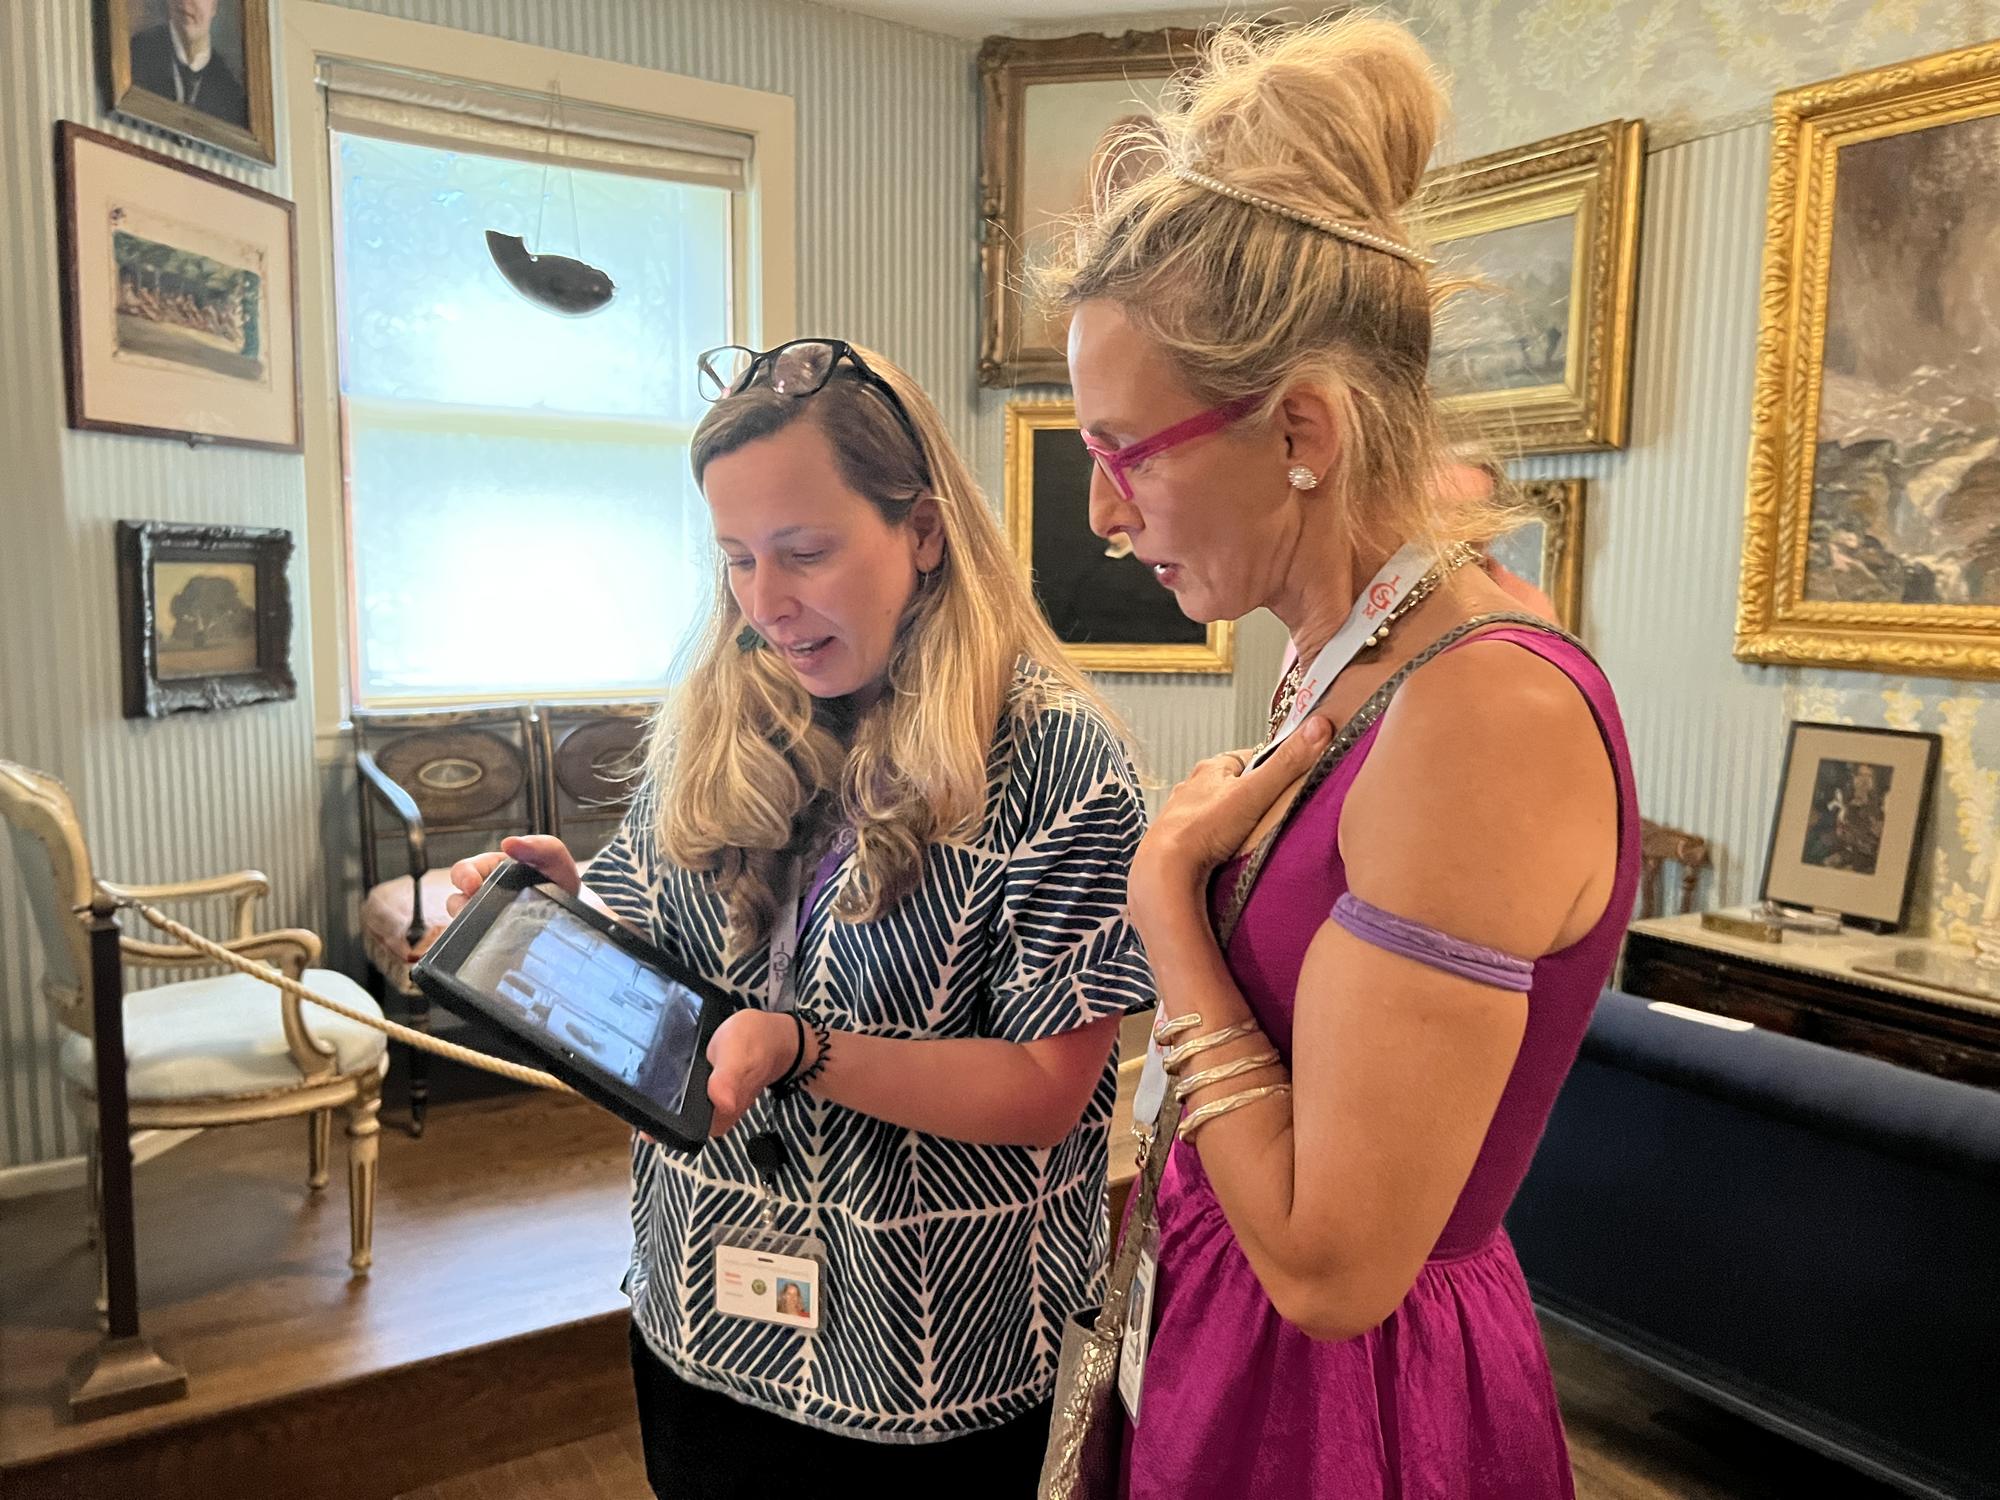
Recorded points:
(452, 114)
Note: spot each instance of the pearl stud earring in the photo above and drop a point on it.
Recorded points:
(1302, 478)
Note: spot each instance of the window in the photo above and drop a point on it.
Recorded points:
(520, 517)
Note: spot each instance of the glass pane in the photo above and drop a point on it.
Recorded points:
(521, 512)
(522, 560)
(427, 316)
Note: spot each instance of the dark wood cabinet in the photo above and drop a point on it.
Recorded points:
(1807, 988)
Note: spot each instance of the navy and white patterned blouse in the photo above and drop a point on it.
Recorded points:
(951, 1268)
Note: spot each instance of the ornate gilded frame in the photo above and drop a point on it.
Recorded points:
(1560, 503)
(1775, 622)
(1025, 419)
(1007, 67)
(259, 143)
(1593, 176)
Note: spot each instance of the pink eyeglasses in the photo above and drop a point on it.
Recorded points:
(1115, 461)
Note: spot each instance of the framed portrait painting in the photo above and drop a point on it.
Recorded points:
(1872, 523)
(1537, 354)
(180, 303)
(1105, 604)
(205, 616)
(198, 69)
(1851, 808)
(1048, 104)
(1548, 550)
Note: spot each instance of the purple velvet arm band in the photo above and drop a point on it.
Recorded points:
(1427, 945)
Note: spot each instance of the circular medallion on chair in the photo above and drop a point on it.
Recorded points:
(464, 773)
(597, 762)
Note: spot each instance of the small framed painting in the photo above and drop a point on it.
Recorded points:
(205, 615)
(198, 69)
(1537, 354)
(1104, 603)
(1548, 551)
(179, 298)
(1851, 808)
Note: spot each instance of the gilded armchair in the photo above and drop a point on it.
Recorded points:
(216, 1050)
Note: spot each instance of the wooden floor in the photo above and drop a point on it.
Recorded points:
(510, 1216)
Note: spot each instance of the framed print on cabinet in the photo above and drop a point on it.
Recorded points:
(205, 616)
(1871, 531)
(199, 69)
(1047, 105)
(180, 304)
(1108, 609)
(1537, 355)
(1851, 808)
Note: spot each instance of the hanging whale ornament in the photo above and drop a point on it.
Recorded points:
(573, 288)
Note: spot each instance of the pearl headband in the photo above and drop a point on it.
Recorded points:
(1339, 230)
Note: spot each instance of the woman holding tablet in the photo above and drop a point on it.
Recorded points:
(884, 811)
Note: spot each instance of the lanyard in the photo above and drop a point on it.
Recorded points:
(781, 991)
(1389, 588)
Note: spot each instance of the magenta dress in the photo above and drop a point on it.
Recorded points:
(1451, 1398)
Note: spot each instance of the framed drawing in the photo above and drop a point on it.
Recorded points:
(1046, 105)
(1851, 807)
(205, 615)
(1548, 551)
(198, 69)
(1871, 531)
(1105, 604)
(180, 306)
(1538, 355)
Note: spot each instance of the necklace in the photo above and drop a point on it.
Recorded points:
(1455, 557)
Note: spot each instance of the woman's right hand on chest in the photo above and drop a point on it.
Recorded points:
(541, 852)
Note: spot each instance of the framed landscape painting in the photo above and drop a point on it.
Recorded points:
(1548, 551)
(1872, 524)
(1048, 104)
(205, 616)
(1536, 354)
(179, 298)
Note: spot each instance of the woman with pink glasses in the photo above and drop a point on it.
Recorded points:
(1373, 974)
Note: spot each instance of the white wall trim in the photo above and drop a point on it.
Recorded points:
(66, 1172)
(767, 225)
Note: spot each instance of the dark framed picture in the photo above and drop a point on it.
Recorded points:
(1104, 603)
(1851, 808)
(199, 69)
(205, 615)
(180, 304)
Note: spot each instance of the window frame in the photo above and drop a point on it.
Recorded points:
(763, 229)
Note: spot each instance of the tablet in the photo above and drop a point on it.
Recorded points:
(593, 1002)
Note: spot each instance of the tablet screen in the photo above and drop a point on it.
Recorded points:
(589, 996)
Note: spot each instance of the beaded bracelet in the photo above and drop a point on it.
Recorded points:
(1194, 1083)
(1200, 1117)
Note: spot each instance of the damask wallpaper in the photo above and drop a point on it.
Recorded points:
(1691, 67)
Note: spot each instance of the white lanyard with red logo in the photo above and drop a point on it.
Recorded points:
(1389, 588)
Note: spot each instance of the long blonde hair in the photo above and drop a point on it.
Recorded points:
(749, 767)
(1336, 118)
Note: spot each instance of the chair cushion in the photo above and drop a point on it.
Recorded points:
(385, 924)
(225, 1037)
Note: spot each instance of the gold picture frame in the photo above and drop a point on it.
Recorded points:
(1539, 358)
(1111, 615)
(1548, 552)
(230, 108)
(1046, 104)
(1842, 565)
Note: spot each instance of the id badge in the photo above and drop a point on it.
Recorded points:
(769, 1277)
(1138, 1340)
